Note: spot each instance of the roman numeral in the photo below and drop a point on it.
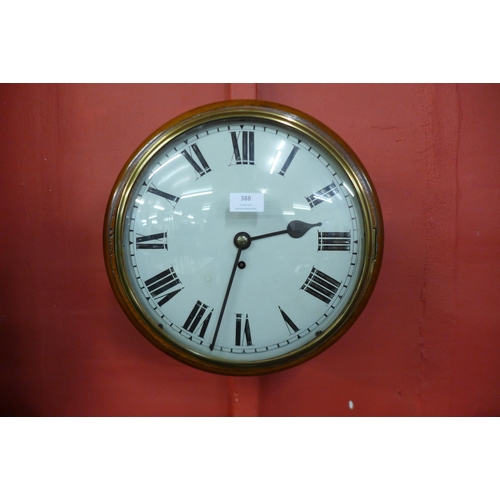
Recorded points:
(289, 323)
(337, 241)
(169, 197)
(159, 285)
(322, 195)
(200, 169)
(194, 318)
(139, 242)
(320, 285)
(291, 156)
(242, 333)
(246, 156)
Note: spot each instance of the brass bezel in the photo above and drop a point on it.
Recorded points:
(317, 133)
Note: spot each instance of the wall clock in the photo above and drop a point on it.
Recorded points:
(243, 238)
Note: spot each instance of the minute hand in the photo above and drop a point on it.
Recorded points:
(296, 229)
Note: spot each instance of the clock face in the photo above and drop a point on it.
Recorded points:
(242, 239)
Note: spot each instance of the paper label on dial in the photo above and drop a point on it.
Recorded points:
(246, 202)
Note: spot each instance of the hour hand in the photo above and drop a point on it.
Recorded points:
(296, 229)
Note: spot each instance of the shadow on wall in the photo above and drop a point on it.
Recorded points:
(15, 389)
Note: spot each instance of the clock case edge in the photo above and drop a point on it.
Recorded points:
(249, 108)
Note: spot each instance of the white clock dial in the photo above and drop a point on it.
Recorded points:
(242, 240)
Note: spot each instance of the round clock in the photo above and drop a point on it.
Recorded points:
(243, 238)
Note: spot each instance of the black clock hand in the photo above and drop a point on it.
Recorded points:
(224, 302)
(296, 229)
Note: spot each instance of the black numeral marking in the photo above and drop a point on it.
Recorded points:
(337, 241)
(195, 316)
(159, 285)
(245, 156)
(169, 197)
(139, 242)
(242, 333)
(320, 285)
(292, 327)
(322, 195)
(291, 156)
(200, 169)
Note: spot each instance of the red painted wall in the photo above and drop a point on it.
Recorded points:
(428, 343)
